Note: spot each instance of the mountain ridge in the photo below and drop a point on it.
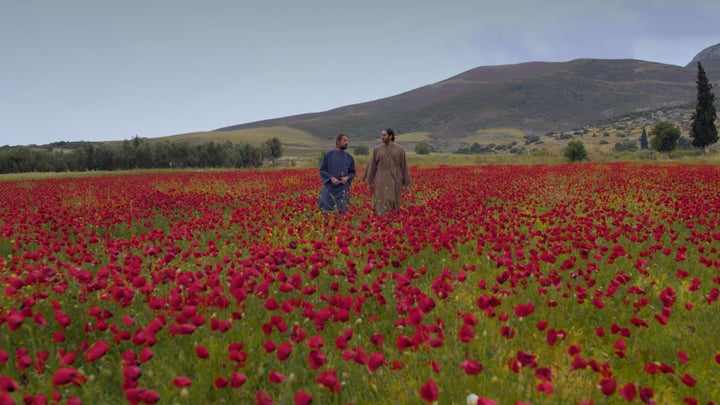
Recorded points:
(532, 97)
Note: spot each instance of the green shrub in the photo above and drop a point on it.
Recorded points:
(575, 151)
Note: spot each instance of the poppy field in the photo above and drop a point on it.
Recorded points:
(584, 283)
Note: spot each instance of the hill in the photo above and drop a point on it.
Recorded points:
(500, 105)
(709, 57)
(529, 98)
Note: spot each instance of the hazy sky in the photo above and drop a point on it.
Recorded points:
(98, 70)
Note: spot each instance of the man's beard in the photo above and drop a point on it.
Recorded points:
(343, 147)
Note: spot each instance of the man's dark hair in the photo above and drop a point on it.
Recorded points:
(338, 138)
(390, 133)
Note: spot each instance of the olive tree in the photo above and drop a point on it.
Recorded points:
(361, 150)
(575, 151)
(664, 137)
(422, 148)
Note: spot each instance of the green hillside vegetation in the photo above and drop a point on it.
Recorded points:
(295, 142)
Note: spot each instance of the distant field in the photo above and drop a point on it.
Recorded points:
(289, 137)
(496, 135)
(509, 145)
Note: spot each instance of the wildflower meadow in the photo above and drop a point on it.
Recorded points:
(589, 283)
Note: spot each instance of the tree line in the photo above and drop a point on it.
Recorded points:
(137, 153)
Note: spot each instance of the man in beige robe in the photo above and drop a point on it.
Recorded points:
(387, 174)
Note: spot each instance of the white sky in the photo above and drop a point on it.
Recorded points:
(96, 70)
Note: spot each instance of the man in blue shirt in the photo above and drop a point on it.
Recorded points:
(336, 172)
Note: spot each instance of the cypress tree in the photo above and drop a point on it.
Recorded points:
(703, 130)
(644, 140)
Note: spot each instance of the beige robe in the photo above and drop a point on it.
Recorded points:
(388, 170)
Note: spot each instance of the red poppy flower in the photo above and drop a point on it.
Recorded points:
(578, 362)
(470, 319)
(221, 382)
(66, 359)
(262, 398)
(275, 377)
(131, 373)
(149, 396)
(133, 395)
(598, 303)
(360, 356)
(62, 319)
(403, 342)
(620, 347)
(608, 386)
(666, 369)
(298, 334)
(377, 340)
(316, 359)
(271, 304)
(683, 357)
(341, 343)
(426, 304)
(526, 359)
(375, 361)
(551, 336)
(688, 380)
(202, 352)
(181, 382)
(97, 350)
(237, 380)
(471, 367)
(546, 387)
(543, 374)
(329, 379)
(127, 320)
(303, 398)
(23, 359)
(283, 351)
(646, 394)
(466, 333)
(269, 346)
(7, 384)
(146, 354)
(628, 392)
(662, 319)
(429, 391)
(67, 376)
(524, 310)
(651, 367)
(315, 342)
